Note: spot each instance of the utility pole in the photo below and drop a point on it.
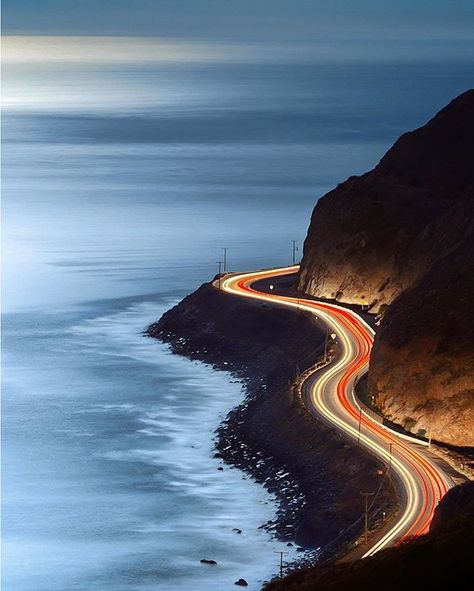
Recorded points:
(294, 250)
(281, 562)
(326, 344)
(298, 372)
(220, 272)
(366, 495)
(360, 424)
(225, 259)
(389, 471)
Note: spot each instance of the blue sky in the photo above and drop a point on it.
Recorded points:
(242, 19)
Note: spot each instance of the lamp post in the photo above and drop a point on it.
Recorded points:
(333, 336)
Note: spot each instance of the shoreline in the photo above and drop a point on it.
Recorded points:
(289, 454)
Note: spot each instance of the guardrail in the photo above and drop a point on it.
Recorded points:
(298, 383)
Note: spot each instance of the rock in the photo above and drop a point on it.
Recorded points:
(237, 530)
(241, 583)
(207, 561)
(454, 508)
(220, 468)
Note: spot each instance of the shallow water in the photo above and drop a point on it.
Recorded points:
(121, 186)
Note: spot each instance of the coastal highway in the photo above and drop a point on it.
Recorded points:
(423, 478)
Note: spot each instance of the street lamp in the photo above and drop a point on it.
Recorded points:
(333, 336)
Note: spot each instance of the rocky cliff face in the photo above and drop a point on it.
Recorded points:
(374, 236)
(422, 365)
(401, 238)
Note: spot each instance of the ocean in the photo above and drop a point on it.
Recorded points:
(123, 180)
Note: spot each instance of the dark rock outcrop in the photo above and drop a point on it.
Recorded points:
(455, 510)
(401, 239)
(207, 561)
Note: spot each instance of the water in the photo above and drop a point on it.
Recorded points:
(121, 183)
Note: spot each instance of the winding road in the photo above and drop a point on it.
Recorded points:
(423, 478)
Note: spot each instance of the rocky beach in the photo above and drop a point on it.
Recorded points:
(271, 435)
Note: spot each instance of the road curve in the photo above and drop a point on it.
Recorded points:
(330, 396)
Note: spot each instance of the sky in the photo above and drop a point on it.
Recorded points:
(242, 19)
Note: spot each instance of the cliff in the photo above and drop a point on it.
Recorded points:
(422, 365)
(373, 236)
(400, 238)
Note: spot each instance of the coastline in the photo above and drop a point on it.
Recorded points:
(270, 434)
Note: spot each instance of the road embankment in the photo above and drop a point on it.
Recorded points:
(315, 474)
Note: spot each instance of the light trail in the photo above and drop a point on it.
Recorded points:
(331, 396)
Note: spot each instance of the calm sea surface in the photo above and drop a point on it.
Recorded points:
(121, 185)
